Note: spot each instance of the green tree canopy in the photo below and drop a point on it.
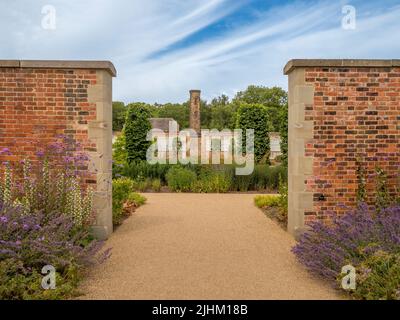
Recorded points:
(118, 115)
(254, 116)
(137, 125)
(274, 99)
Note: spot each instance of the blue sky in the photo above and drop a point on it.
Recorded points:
(164, 48)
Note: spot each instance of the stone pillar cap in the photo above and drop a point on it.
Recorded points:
(60, 64)
(361, 63)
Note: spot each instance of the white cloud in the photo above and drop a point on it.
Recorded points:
(128, 32)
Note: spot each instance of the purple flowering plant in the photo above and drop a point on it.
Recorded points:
(352, 238)
(45, 218)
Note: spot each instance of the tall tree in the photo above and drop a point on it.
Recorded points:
(274, 99)
(254, 116)
(118, 115)
(137, 125)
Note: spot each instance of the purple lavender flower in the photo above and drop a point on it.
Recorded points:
(5, 151)
(40, 154)
(326, 248)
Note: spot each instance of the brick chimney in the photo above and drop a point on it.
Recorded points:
(195, 110)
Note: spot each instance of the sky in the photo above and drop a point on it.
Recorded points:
(163, 48)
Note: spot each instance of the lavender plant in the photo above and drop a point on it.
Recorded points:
(45, 216)
(352, 239)
(29, 242)
(51, 184)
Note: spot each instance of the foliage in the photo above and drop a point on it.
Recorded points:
(45, 218)
(137, 125)
(355, 238)
(254, 116)
(217, 182)
(179, 112)
(30, 241)
(223, 113)
(120, 155)
(273, 99)
(142, 169)
(180, 179)
(264, 177)
(262, 201)
(284, 196)
(19, 283)
(382, 195)
(378, 277)
(137, 199)
(361, 193)
(156, 185)
(118, 115)
(123, 193)
(121, 188)
(283, 131)
(50, 184)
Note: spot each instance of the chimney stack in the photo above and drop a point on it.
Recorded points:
(195, 110)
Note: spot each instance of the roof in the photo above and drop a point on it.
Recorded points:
(362, 63)
(60, 64)
(161, 123)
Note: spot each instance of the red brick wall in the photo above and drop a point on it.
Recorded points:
(356, 113)
(36, 105)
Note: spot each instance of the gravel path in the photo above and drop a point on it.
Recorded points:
(198, 246)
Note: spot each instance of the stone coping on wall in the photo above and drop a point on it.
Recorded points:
(370, 63)
(60, 64)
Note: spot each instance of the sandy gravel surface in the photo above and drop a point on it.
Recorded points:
(202, 246)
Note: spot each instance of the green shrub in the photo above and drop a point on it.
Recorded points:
(136, 198)
(121, 190)
(142, 184)
(180, 179)
(19, 283)
(382, 197)
(142, 169)
(254, 116)
(283, 130)
(378, 277)
(264, 177)
(284, 197)
(137, 125)
(120, 155)
(263, 201)
(216, 182)
(156, 185)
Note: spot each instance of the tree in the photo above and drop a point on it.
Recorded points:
(179, 112)
(274, 99)
(119, 150)
(283, 115)
(118, 115)
(137, 125)
(254, 116)
(223, 113)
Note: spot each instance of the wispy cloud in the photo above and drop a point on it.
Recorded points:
(137, 36)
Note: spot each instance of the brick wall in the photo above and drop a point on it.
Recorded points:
(340, 110)
(40, 100)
